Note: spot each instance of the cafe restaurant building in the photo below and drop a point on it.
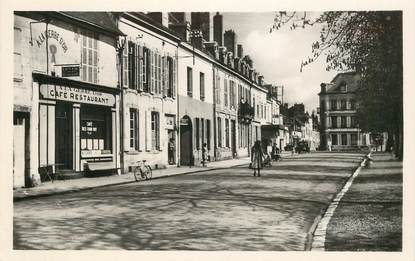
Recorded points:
(67, 64)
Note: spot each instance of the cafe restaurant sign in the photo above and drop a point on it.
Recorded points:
(76, 95)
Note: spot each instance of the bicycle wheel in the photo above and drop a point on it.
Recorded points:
(149, 172)
(137, 173)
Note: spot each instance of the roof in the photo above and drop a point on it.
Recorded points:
(102, 20)
(351, 79)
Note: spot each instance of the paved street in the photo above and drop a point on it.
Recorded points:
(369, 218)
(226, 209)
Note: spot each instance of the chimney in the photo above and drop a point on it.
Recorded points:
(229, 58)
(261, 80)
(212, 48)
(218, 28)
(222, 54)
(196, 39)
(182, 30)
(240, 51)
(323, 87)
(159, 17)
(201, 21)
(230, 41)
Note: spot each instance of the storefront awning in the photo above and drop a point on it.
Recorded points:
(48, 79)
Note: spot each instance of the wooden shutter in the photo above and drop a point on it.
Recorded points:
(140, 70)
(152, 72)
(174, 77)
(164, 75)
(137, 67)
(125, 65)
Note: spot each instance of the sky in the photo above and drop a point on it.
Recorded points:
(278, 55)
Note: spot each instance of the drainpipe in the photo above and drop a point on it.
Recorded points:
(214, 113)
(121, 109)
(178, 147)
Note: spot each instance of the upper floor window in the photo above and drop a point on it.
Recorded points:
(202, 86)
(343, 87)
(352, 104)
(225, 91)
(89, 56)
(218, 90)
(343, 104)
(333, 105)
(189, 82)
(17, 53)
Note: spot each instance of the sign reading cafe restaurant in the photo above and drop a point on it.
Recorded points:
(76, 95)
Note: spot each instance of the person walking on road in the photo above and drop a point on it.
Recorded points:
(256, 158)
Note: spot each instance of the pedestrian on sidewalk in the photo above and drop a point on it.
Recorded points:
(204, 154)
(256, 158)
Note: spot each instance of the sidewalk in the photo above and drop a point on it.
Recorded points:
(63, 186)
(369, 216)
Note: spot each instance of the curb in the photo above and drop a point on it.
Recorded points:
(316, 236)
(48, 194)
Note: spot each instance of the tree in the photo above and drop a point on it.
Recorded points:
(369, 43)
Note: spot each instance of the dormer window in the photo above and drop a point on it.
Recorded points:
(343, 87)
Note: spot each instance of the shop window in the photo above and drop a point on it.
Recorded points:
(134, 129)
(219, 132)
(89, 57)
(202, 86)
(96, 130)
(189, 82)
(227, 132)
(155, 130)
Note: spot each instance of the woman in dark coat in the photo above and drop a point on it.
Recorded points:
(257, 157)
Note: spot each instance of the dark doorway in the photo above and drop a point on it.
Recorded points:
(233, 138)
(186, 144)
(171, 147)
(63, 135)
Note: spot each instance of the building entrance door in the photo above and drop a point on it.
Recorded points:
(186, 144)
(233, 138)
(63, 135)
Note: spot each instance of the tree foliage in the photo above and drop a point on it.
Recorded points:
(366, 42)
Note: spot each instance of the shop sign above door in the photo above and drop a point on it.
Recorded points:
(77, 95)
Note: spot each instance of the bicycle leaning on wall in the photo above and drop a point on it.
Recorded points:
(142, 171)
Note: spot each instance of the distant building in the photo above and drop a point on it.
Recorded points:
(338, 113)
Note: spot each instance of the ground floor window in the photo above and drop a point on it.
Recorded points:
(227, 133)
(197, 136)
(344, 139)
(134, 129)
(334, 139)
(353, 138)
(155, 130)
(96, 129)
(219, 132)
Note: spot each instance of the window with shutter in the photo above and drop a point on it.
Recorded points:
(153, 71)
(125, 65)
(140, 68)
(174, 78)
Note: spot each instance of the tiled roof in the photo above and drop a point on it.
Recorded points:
(351, 79)
(100, 19)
